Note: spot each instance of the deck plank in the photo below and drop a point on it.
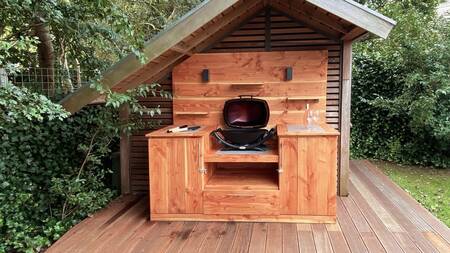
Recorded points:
(354, 239)
(159, 237)
(388, 194)
(242, 239)
(365, 231)
(382, 232)
(321, 239)
(305, 238)
(196, 237)
(136, 237)
(259, 238)
(418, 209)
(378, 216)
(275, 237)
(338, 242)
(228, 237)
(290, 240)
(214, 238)
(184, 235)
(405, 239)
(71, 239)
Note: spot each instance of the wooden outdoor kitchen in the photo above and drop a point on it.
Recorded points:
(265, 88)
(292, 179)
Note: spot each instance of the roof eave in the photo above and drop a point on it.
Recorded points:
(359, 15)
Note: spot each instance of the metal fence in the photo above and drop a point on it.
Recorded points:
(55, 83)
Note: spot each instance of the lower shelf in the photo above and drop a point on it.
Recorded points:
(243, 179)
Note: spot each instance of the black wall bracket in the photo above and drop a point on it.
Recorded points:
(205, 75)
(289, 74)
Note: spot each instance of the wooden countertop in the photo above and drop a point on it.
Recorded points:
(162, 133)
(283, 130)
(300, 130)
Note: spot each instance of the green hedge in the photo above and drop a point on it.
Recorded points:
(401, 90)
(51, 167)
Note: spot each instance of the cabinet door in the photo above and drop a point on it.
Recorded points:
(317, 175)
(175, 180)
(288, 166)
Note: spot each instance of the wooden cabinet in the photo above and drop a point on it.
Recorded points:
(294, 181)
(309, 175)
(176, 177)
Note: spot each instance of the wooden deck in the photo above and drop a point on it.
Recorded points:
(378, 216)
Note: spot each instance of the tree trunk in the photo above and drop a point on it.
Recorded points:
(46, 54)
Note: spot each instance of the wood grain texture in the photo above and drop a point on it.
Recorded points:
(124, 227)
(315, 159)
(241, 202)
(260, 74)
(287, 34)
(345, 118)
(176, 183)
(289, 178)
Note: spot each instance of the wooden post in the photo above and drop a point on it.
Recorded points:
(346, 90)
(124, 112)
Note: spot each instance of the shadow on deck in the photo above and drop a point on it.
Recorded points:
(378, 216)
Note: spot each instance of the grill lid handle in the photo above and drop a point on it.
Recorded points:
(243, 96)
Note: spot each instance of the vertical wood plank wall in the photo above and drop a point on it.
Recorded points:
(286, 34)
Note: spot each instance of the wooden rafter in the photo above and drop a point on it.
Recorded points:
(197, 43)
(337, 19)
(191, 22)
(296, 15)
(315, 14)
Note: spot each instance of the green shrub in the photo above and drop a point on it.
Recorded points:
(51, 167)
(401, 89)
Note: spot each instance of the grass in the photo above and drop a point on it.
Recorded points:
(430, 187)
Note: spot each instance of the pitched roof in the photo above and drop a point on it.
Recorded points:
(211, 20)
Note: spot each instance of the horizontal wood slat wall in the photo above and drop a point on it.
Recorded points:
(258, 74)
(286, 34)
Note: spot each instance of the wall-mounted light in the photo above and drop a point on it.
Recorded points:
(289, 74)
(205, 75)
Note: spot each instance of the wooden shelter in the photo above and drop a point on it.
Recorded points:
(324, 28)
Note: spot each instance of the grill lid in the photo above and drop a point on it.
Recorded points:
(246, 112)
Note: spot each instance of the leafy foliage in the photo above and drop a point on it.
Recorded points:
(50, 167)
(401, 89)
(92, 34)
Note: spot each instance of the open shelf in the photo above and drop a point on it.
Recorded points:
(192, 113)
(304, 98)
(242, 156)
(233, 179)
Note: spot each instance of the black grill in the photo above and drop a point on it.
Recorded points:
(245, 117)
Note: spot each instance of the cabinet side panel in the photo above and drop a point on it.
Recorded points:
(158, 167)
(288, 178)
(177, 175)
(332, 177)
(194, 183)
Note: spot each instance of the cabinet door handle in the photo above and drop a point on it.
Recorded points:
(280, 161)
(201, 167)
